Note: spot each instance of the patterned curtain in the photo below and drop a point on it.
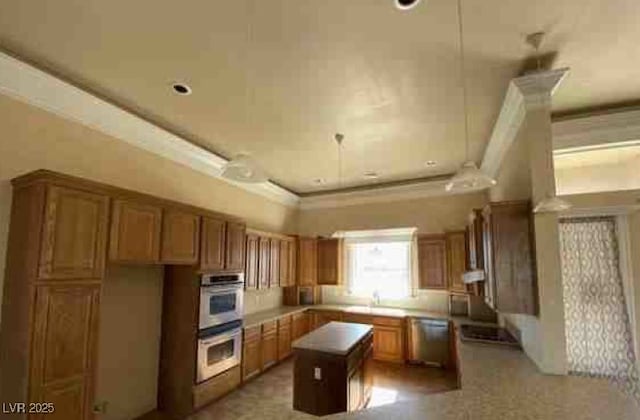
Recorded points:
(599, 339)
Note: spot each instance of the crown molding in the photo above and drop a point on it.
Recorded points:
(526, 93)
(414, 190)
(28, 84)
(596, 131)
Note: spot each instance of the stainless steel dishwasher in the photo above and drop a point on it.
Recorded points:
(429, 341)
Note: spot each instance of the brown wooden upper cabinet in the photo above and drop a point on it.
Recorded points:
(264, 255)
(180, 238)
(456, 259)
(329, 261)
(274, 263)
(234, 254)
(307, 261)
(212, 244)
(222, 245)
(432, 261)
(251, 262)
(285, 266)
(74, 234)
(135, 232)
(511, 285)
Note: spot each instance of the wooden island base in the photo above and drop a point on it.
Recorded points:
(332, 371)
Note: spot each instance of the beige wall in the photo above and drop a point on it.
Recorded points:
(589, 176)
(129, 341)
(429, 215)
(32, 139)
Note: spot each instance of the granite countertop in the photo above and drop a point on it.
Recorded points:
(258, 318)
(335, 338)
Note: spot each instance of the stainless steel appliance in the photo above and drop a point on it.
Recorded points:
(429, 341)
(486, 334)
(219, 349)
(221, 299)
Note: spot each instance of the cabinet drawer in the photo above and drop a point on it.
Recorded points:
(390, 322)
(252, 333)
(269, 326)
(357, 318)
(216, 387)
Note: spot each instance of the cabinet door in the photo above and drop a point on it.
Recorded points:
(284, 338)
(456, 260)
(300, 325)
(234, 260)
(274, 263)
(264, 250)
(180, 238)
(251, 262)
(489, 283)
(251, 351)
(367, 373)
(135, 232)
(388, 343)
(285, 276)
(307, 261)
(293, 274)
(64, 349)
(329, 259)
(269, 348)
(432, 262)
(74, 234)
(212, 244)
(356, 390)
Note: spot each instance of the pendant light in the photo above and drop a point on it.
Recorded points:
(338, 137)
(468, 177)
(242, 168)
(551, 203)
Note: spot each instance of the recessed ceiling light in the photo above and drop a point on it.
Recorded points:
(430, 163)
(406, 4)
(181, 89)
(371, 175)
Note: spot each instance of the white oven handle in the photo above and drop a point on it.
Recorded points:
(221, 337)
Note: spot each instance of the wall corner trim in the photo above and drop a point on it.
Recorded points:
(525, 93)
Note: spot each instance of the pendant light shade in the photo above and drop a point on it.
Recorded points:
(552, 204)
(469, 178)
(243, 169)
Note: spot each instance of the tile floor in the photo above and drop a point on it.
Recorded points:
(271, 394)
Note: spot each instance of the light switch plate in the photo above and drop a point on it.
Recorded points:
(317, 373)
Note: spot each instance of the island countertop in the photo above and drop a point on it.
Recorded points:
(335, 338)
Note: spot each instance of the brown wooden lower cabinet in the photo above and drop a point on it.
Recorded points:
(324, 317)
(269, 344)
(300, 325)
(216, 387)
(284, 337)
(251, 352)
(345, 383)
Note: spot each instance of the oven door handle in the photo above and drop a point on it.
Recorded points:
(214, 290)
(220, 338)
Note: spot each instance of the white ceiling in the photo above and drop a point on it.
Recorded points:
(387, 79)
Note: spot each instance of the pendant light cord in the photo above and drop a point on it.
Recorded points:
(464, 84)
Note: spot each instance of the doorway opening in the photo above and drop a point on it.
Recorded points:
(598, 331)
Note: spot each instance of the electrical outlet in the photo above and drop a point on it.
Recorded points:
(317, 373)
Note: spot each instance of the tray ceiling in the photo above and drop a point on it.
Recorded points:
(388, 80)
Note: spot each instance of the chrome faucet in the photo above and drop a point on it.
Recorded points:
(375, 298)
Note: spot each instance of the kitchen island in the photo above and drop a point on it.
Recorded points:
(332, 369)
